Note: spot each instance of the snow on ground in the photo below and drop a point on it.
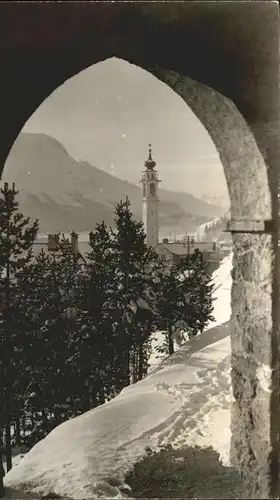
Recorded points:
(222, 287)
(184, 400)
(158, 339)
(17, 456)
(222, 310)
(200, 233)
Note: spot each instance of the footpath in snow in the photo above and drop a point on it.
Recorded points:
(184, 400)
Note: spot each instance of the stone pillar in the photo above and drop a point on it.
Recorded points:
(255, 290)
(254, 424)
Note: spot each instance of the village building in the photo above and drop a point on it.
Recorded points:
(174, 252)
(51, 243)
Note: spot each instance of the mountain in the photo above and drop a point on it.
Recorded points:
(221, 201)
(67, 194)
(110, 112)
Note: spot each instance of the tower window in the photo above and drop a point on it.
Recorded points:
(152, 189)
(144, 190)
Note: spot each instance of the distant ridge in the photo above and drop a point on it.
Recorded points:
(67, 194)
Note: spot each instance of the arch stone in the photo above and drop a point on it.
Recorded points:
(252, 288)
(223, 60)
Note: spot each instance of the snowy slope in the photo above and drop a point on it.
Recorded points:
(217, 225)
(158, 339)
(184, 400)
(222, 287)
(200, 233)
(221, 313)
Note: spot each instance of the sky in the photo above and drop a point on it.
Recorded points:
(110, 112)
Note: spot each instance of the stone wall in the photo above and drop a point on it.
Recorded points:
(252, 330)
(254, 432)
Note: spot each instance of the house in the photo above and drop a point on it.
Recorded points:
(174, 252)
(51, 243)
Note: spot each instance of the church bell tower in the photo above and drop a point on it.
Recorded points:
(150, 182)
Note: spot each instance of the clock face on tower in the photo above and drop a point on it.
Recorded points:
(152, 189)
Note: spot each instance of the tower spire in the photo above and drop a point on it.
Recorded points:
(150, 163)
(150, 200)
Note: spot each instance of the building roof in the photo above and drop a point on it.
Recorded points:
(175, 248)
(182, 248)
(41, 243)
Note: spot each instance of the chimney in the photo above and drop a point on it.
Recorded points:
(53, 242)
(75, 242)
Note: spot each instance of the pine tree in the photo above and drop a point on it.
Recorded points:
(135, 266)
(101, 337)
(75, 322)
(200, 290)
(185, 298)
(31, 359)
(71, 372)
(17, 236)
(52, 393)
(170, 303)
(51, 339)
(120, 291)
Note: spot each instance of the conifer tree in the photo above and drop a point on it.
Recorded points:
(185, 298)
(74, 322)
(120, 290)
(135, 268)
(199, 293)
(36, 353)
(17, 236)
(101, 287)
(171, 304)
(45, 380)
(53, 393)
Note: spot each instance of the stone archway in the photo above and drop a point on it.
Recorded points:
(252, 288)
(239, 106)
